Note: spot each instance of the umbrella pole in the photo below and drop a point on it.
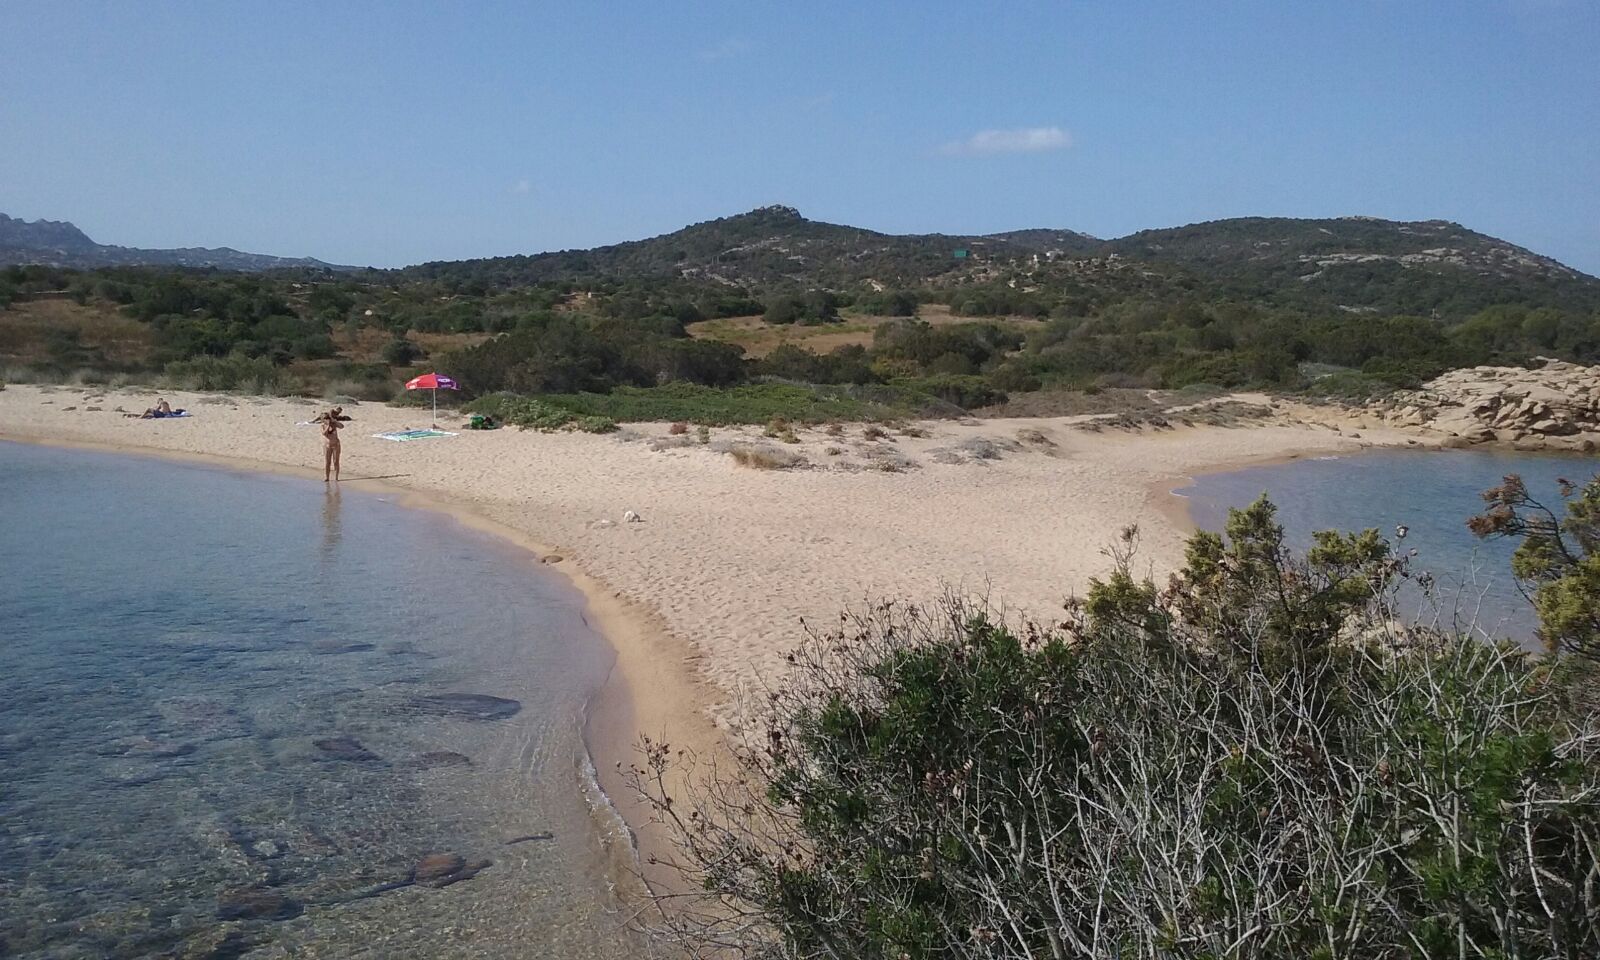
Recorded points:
(435, 408)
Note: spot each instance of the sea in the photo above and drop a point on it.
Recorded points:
(254, 715)
(1429, 493)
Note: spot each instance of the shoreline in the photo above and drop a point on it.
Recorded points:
(615, 714)
(731, 557)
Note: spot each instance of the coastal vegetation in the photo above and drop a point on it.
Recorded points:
(750, 304)
(1254, 760)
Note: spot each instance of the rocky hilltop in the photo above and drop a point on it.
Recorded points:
(1553, 406)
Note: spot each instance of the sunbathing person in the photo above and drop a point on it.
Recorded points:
(160, 410)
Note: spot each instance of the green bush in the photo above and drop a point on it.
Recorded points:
(966, 391)
(691, 403)
(1253, 763)
(401, 352)
(244, 374)
(529, 413)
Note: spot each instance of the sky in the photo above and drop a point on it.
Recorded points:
(398, 132)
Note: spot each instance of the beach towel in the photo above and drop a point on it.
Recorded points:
(405, 435)
(167, 416)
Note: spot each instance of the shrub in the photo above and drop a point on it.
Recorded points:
(965, 391)
(595, 425)
(1253, 763)
(1557, 561)
(678, 429)
(764, 458)
(745, 404)
(401, 352)
(529, 413)
(226, 373)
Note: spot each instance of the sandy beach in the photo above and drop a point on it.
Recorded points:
(702, 597)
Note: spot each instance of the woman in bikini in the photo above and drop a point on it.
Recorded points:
(331, 425)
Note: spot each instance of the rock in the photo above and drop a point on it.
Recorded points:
(436, 865)
(1556, 399)
(1554, 428)
(553, 558)
(631, 517)
(443, 869)
(545, 835)
(213, 944)
(1455, 443)
(145, 747)
(442, 758)
(347, 749)
(470, 706)
(256, 903)
(267, 849)
(333, 647)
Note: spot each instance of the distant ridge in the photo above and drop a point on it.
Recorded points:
(1357, 263)
(1428, 268)
(58, 243)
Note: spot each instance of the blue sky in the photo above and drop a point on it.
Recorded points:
(391, 133)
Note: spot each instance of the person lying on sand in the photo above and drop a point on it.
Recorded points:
(161, 409)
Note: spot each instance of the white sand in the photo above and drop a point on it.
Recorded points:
(703, 597)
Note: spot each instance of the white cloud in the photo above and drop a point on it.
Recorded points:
(726, 50)
(987, 143)
(522, 186)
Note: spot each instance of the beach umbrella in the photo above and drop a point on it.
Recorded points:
(434, 382)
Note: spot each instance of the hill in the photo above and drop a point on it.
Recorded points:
(769, 246)
(58, 243)
(1428, 268)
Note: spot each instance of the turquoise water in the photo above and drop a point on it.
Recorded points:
(1432, 493)
(238, 711)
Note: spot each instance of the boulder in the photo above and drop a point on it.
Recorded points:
(256, 903)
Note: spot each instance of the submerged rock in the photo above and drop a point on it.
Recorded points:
(443, 869)
(256, 903)
(441, 758)
(145, 747)
(471, 706)
(333, 647)
(345, 748)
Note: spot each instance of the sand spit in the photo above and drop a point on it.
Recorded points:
(703, 594)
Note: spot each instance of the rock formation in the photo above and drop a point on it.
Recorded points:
(1555, 406)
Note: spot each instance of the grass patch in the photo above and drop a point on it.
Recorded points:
(759, 403)
(536, 413)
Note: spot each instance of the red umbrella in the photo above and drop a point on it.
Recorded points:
(434, 382)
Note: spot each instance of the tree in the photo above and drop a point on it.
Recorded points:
(401, 352)
(1558, 560)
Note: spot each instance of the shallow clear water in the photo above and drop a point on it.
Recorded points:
(1432, 493)
(229, 724)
